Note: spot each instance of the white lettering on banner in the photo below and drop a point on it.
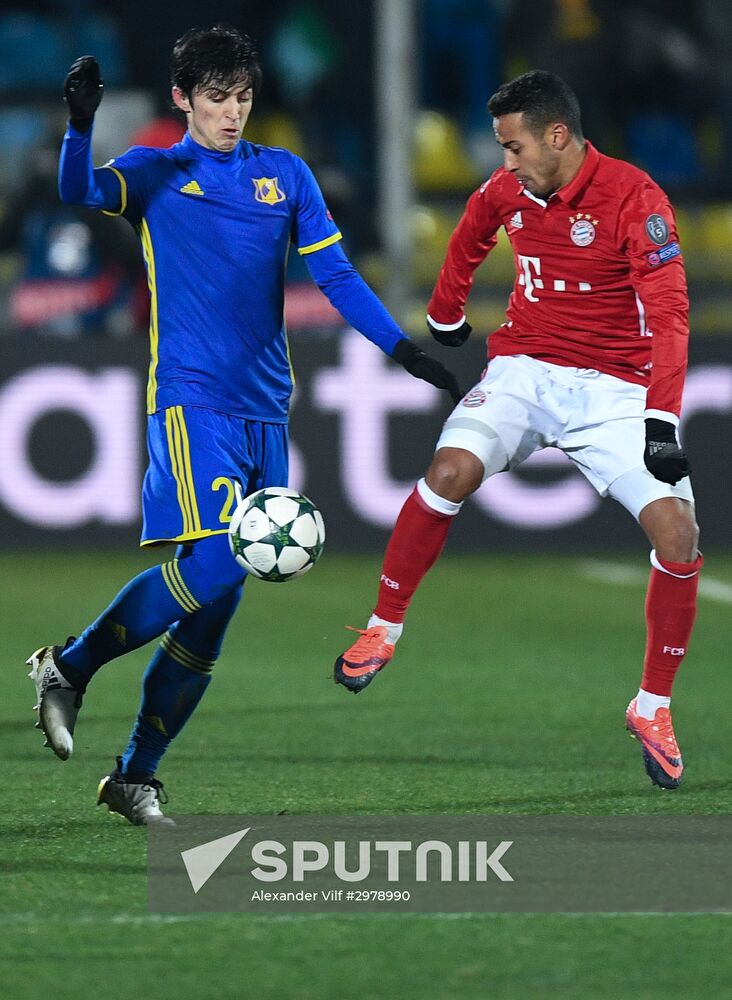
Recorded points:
(108, 490)
(364, 390)
(513, 500)
(708, 388)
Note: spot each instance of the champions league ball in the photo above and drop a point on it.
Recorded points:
(276, 534)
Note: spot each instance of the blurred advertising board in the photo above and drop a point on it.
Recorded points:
(72, 449)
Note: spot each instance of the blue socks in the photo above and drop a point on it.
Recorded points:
(150, 603)
(193, 597)
(175, 682)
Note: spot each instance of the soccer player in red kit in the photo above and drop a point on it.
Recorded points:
(591, 360)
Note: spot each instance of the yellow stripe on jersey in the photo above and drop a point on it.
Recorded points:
(289, 359)
(122, 191)
(173, 582)
(148, 254)
(320, 246)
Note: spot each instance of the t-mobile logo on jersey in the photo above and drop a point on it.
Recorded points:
(389, 583)
(530, 279)
(674, 650)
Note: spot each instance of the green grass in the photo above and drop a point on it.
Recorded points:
(506, 696)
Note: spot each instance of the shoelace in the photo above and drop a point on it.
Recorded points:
(663, 729)
(159, 788)
(371, 640)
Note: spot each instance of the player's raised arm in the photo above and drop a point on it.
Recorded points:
(473, 239)
(78, 182)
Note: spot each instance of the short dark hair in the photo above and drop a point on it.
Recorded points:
(542, 98)
(220, 55)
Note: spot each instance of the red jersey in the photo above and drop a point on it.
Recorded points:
(600, 278)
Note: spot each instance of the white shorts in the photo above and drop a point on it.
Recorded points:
(522, 405)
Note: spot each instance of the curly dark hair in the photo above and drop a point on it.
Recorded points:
(542, 98)
(220, 56)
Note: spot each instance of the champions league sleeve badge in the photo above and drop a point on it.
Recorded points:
(657, 229)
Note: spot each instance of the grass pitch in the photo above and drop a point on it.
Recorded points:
(506, 695)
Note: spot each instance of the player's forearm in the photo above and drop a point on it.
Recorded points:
(466, 250)
(666, 303)
(351, 296)
(78, 182)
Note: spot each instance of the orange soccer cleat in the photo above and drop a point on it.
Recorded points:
(661, 753)
(357, 667)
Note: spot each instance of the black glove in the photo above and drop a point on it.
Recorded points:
(421, 365)
(664, 457)
(83, 90)
(451, 338)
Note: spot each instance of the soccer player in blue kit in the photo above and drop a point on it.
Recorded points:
(215, 215)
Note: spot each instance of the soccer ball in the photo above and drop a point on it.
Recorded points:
(276, 534)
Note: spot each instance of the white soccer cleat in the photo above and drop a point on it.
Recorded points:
(57, 702)
(137, 801)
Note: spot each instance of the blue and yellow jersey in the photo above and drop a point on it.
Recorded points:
(216, 229)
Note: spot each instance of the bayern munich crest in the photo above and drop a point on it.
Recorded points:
(476, 397)
(583, 230)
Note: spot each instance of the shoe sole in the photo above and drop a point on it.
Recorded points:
(353, 684)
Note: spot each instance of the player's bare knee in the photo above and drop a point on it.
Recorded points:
(454, 474)
(672, 529)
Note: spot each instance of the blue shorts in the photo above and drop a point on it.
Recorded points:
(196, 457)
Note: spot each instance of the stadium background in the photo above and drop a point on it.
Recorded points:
(652, 82)
(541, 586)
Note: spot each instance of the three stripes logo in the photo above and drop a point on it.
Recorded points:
(193, 187)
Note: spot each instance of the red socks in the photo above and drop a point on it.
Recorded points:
(417, 540)
(670, 614)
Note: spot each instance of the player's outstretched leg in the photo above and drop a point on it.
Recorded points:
(142, 610)
(670, 614)
(174, 683)
(417, 540)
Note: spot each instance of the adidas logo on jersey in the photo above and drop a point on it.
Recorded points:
(517, 222)
(192, 187)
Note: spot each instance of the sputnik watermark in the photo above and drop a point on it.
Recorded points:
(457, 864)
(274, 861)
